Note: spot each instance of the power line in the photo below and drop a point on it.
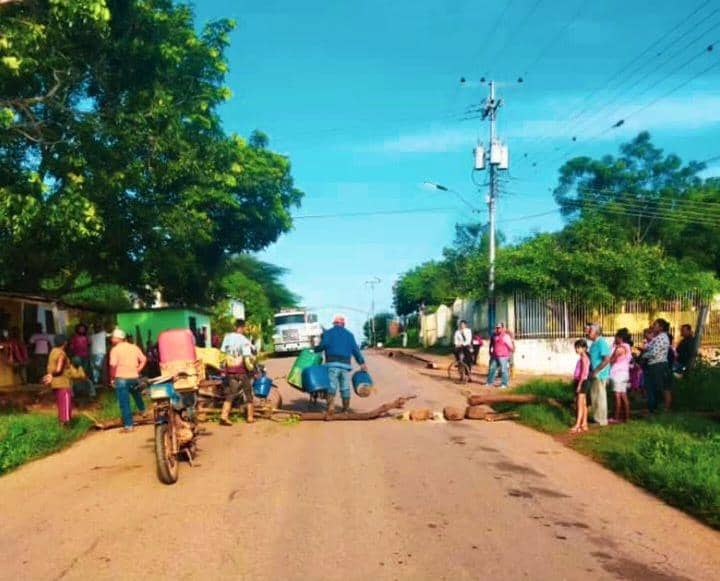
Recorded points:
(379, 213)
(554, 40)
(508, 35)
(619, 123)
(648, 74)
(586, 104)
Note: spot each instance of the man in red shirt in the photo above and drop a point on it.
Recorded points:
(501, 349)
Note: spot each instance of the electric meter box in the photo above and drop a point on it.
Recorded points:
(495, 153)
(479, 157)
(504, 157)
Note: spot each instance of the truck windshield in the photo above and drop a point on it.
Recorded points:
(289, 319)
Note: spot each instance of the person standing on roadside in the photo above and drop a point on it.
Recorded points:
(40, 344)
(686, 349)
(60, 375)
(501, 350)
(580, 377)
(80, 349)
(239, 365)
(620, 374)
(657, 375)
(98, 352)
(340, 347)
(126, 363)
(600, 354)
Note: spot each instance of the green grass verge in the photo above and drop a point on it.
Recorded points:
(24, 437)
(27, 436)
(676, 456)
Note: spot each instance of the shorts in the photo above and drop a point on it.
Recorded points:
(235, 384)
(586, 387)
(620, 384)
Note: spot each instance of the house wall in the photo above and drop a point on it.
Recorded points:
(158, 321)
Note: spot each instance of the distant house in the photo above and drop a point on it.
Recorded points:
(23, 312)
(147, 324)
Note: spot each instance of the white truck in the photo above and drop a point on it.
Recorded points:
(295, 330)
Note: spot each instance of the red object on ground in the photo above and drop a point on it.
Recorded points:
(176, 345)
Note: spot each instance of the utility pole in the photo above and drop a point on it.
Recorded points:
(497, 158)
(371, 283)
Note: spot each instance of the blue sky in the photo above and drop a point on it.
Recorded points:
(365, 99)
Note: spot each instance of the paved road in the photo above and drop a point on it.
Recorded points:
(384, 499)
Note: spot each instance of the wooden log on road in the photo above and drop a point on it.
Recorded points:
(138, 420)
(511, 398)
(351, 416)
(490, 399)
(478, 412)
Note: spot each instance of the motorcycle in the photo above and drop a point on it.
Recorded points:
(175, 398)
(176, 427)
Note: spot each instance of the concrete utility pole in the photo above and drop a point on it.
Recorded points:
(371, 283)
(497, 159)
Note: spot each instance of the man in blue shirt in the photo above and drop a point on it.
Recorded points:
(340, 347)
(599, 353)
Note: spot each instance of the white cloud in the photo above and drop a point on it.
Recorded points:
(689, 113)
(437, 140)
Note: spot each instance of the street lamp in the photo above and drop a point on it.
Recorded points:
(443, 188)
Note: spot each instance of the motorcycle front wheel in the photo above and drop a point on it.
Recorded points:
(167, 462)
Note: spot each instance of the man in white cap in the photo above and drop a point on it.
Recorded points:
(340, 347)
(126, 363)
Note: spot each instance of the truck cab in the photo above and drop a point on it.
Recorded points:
(296, 330)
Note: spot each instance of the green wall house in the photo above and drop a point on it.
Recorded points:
(155, 321)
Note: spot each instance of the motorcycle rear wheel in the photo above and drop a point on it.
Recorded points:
(168, 467)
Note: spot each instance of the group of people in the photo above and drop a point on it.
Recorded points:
(649, 367)
(30, 358)
(467, 347)
(65, 366)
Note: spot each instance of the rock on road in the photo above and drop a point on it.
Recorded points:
(384, 499)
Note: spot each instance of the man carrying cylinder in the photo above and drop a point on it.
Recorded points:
(340, 347)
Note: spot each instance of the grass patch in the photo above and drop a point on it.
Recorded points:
(27, 436)
(24, 437)
(676, 456)
(551, 419)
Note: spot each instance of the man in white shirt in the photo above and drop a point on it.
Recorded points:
(463, 343)
(40, 344)
(239, 366)
(98, 351)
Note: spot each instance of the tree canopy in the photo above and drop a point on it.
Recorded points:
(640, 226)
(114, 165)
(258, 284)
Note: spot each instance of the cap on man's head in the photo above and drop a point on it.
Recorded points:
(500, 325)
(119, 334)
(339, 320)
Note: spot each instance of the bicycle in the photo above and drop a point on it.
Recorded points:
(459, 371)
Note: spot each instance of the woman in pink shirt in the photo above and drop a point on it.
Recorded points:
(620, 360)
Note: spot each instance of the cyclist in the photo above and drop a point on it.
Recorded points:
(463, 341)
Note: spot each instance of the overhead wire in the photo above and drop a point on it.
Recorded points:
(628, 88)
(665, 95)
(587, 104)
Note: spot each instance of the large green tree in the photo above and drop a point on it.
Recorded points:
(114, 165)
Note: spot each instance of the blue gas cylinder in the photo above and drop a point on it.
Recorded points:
(315, 378)
(262, 386)
(362, 383)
